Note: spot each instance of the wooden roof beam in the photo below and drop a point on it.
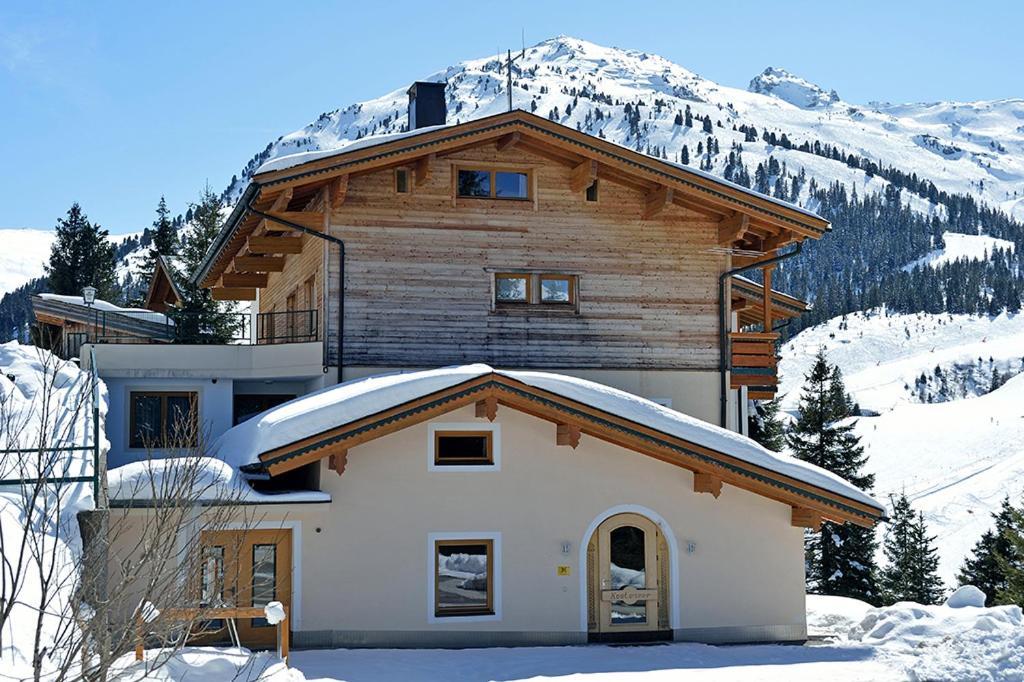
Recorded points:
(259, 263)
(339, 190)
(507, 142)
(657, 200)
(311, 220)
(244, 279)
(568, 434)
(422, 168)
(583, 176)
(806, 518)
(733, 229)
(232, 294)
(488, 407)
(707, 483)
(269, 245)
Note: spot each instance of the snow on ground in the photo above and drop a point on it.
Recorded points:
(23, 256)
(962, 246)
(46, 403)
(882, 353)
(906, 641)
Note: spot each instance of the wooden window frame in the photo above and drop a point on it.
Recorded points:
(534, 291)
(193, 397)
(408, 186)
(551, 276)
(463, 461)
(514, 275)
(456, 612)
(493, 170)
(597, 192)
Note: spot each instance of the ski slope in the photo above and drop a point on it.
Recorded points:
(962, 247)
(956, 459)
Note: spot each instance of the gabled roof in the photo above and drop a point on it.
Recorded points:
(163, 290)
(334, 419)
(306, 173)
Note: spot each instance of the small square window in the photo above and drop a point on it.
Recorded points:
(401, 180)
(162, 420)
(592, 192)
(509, 185)
(474, 183)
(512, 288)
(454, 448)
(463, 577)
(556, 289)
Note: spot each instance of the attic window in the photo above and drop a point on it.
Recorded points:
(474, 183)
(402, 180)
(544, 290)
(463, 448)
(512, 288)
(592, 192)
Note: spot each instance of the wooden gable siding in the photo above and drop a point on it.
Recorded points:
(419, 274)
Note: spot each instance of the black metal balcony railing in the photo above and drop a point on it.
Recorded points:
(142, 326)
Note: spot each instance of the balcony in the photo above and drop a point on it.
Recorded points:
(754, 364)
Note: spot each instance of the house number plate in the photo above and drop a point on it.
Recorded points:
(630, 595)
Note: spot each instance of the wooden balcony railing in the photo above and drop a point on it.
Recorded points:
(754, 364)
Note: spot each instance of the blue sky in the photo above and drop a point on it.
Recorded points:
(114, 104)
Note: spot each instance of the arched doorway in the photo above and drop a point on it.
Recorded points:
(628, 577)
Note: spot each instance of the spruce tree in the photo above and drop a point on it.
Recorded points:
(841, 558)
(1012, 562)
(164, 241)
(913, 560)
(982, 568)
(200, 318)
(765, 426)
(82, 256)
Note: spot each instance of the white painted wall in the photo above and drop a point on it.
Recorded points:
(365, 568)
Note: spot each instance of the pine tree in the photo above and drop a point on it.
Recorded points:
(164, 241)
(200, 317)
(913, 560)
(1012, 562)
(841, 558)
(765, 426)
(81, 256)
(982, 568)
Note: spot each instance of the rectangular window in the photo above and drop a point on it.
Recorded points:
(493, 184)
(402, 180)
(512, 288)
(264, 578)
(556, 289)
(463, 577)
(592, 192)
(463, 447)
(162, 419)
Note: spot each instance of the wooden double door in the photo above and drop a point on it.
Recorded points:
(245, 568)
(627, 564)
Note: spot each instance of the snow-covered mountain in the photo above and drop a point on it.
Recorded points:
(635, 98)
(23, 255)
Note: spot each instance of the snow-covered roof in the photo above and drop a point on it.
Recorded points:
(345, 403)
(105, 306)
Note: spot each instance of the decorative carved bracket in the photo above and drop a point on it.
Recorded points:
(488, 407)
(707, 483)
(337, 462)
(568, 434)
(806, 518)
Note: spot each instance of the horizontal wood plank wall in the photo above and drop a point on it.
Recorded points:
(418, 292)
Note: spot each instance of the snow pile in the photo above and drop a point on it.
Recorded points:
(342, 404)
(205, 664)
(208, 479)
(829, 616)
(962, 247)
(44, 403)
(950, 642)
(105, 306)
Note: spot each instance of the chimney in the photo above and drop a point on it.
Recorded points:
(426, 105)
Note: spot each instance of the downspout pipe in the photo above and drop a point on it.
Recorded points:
(341, 271)
(723, 323)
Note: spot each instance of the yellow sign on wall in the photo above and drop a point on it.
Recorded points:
(564, 570)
